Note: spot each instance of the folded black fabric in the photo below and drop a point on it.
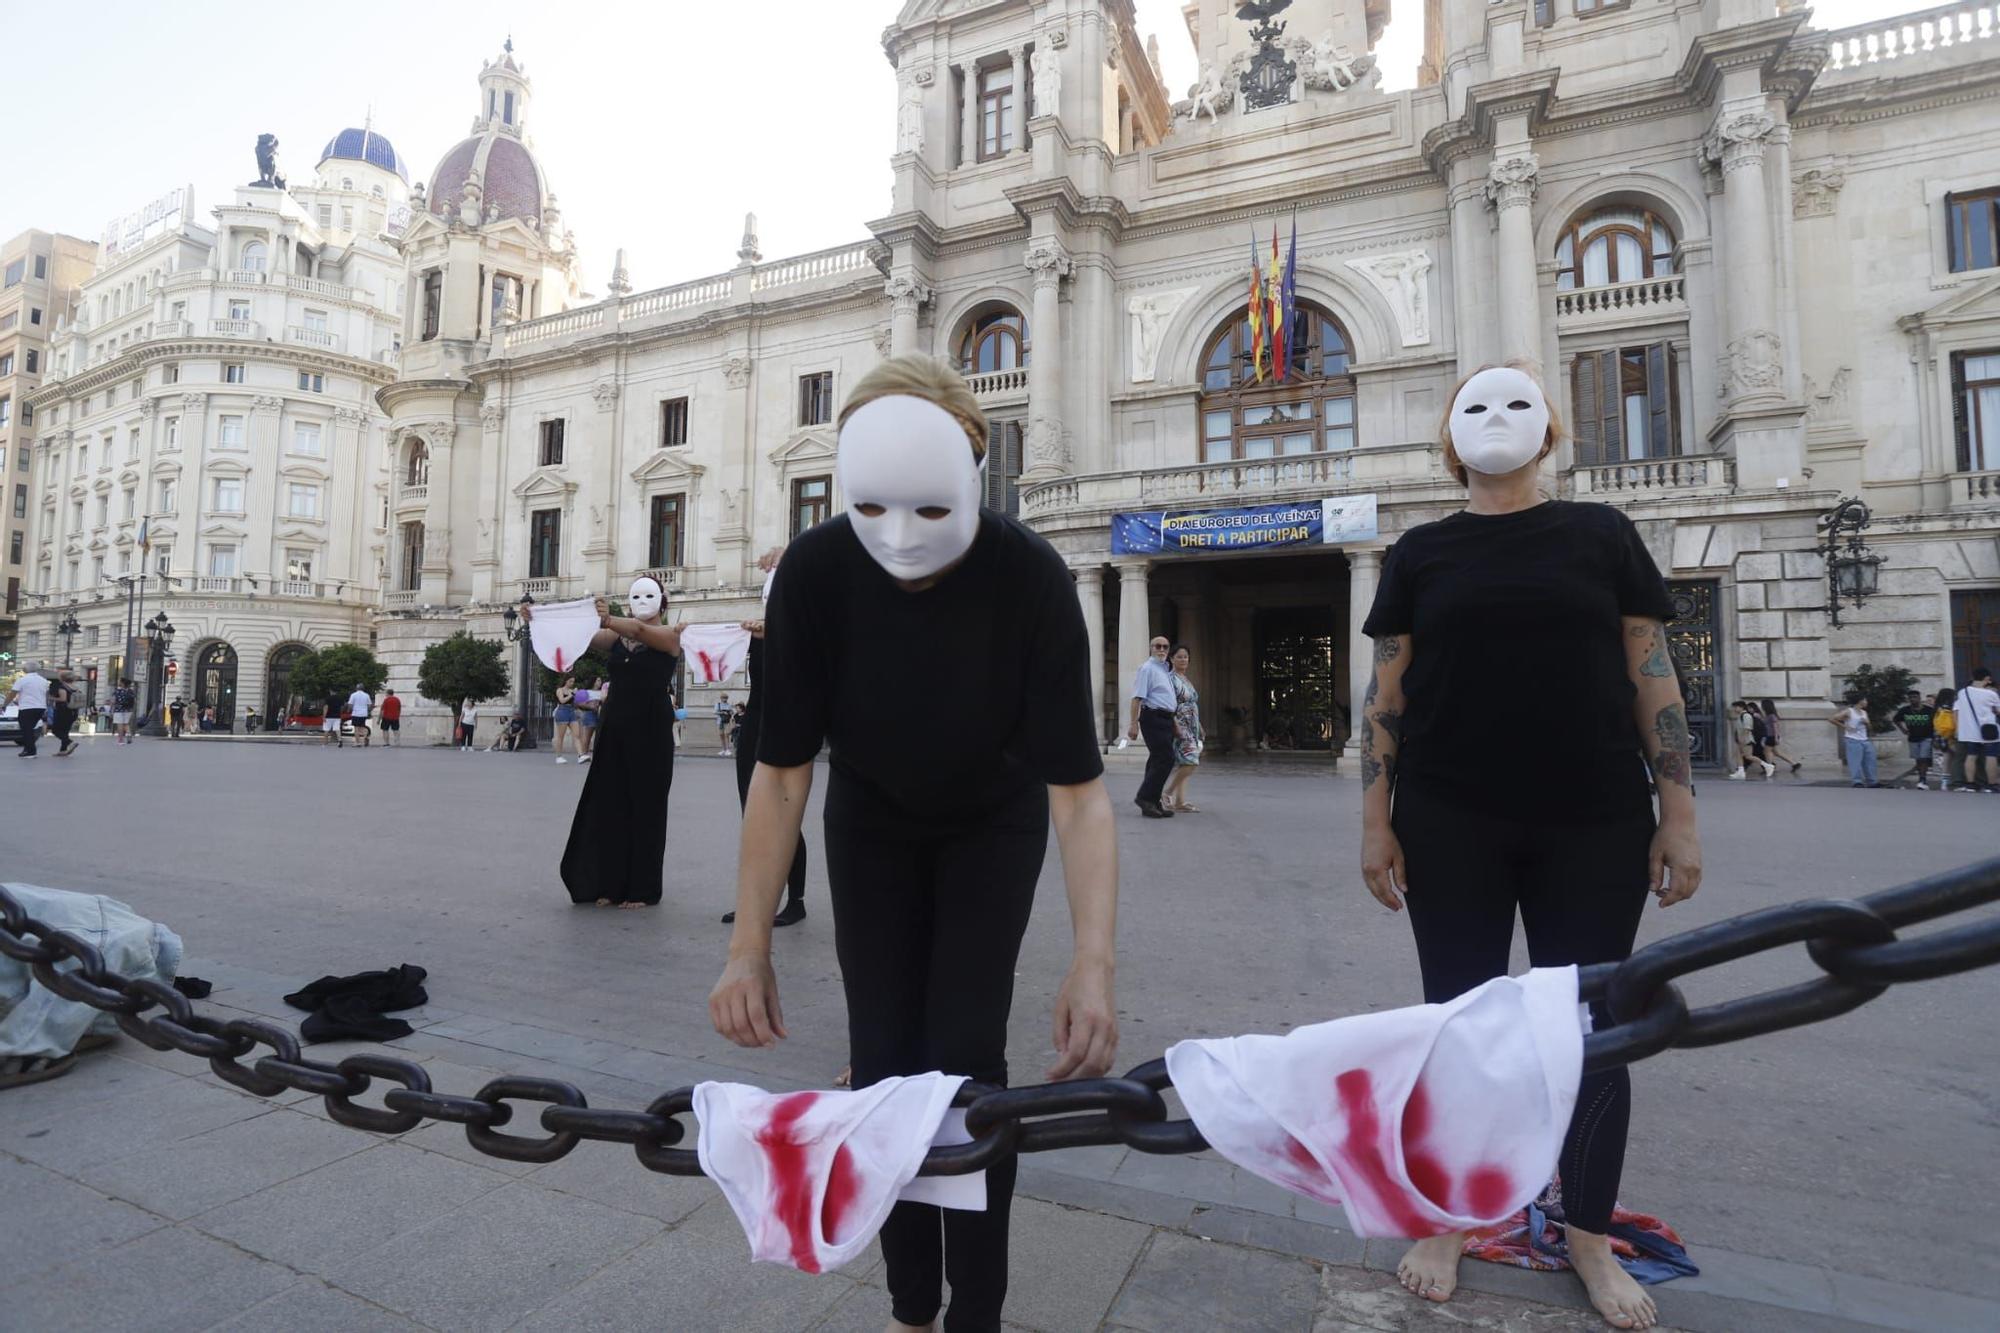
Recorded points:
(352, 1007)
(193, 987)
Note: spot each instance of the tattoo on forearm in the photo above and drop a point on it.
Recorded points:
(1658, 662)
(1670, 758)
(1387, 649)
(1373, 765)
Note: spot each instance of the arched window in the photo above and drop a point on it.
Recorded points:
(1310, 411)
(417, 464)
(255, 255)
(1613, 245)
(996, 338)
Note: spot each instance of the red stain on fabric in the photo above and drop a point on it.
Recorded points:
(559, 660)
(707, 666)
(1487, 1190)
(791, 1180)
(843, 1187)
(1426, 1172)
(1365, 1148)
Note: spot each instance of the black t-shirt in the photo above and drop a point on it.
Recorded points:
(1517, 694)
(1919, 721)
(989, 669)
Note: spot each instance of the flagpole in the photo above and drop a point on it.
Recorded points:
(139, 619)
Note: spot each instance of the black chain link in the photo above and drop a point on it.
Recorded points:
(1640, 1006)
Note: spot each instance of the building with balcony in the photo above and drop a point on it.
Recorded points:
(208, 442)
(39, 275)
(1756, 263)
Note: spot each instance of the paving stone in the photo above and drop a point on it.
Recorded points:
(195, 1174)
(315, 1219)
(1205, 1179)
(1065, 1266)
(1243, 1226)
(310, 1306)
(493, 1261)
(1099, 1196)
(47, 1220)
(166, 1281)
(1897, 1305)
(1187, 1282)
(609, 1174)
(71, 1128)
(1351, 1300)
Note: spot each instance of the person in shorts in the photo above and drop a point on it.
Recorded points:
(1979, 732)
(329, 728)
(392, 719)
(589, 699)
(1917, 721)
(724, 717)
(123, 700)
(359, 704)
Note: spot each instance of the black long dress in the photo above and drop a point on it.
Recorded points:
(618, 840)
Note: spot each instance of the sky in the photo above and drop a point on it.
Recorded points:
(659, 125)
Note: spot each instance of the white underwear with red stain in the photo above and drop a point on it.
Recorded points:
(812, 1175)
(714, 653)
(561, 632)
(1417, 1121)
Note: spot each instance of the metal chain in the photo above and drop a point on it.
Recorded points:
(1639, 1007)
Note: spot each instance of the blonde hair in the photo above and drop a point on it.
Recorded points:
(1550, 438)
(927, 378)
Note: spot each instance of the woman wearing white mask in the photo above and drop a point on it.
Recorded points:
(618, 839)
(935, 833)
(1518, 596)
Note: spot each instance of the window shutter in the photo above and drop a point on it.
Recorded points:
(1659, 402)
(996, 479)
(1588, 384)
(1961, 429)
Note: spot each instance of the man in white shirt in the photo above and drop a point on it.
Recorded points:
(1153, 715)
(1978, 707)
(358, 705)
(31, 691)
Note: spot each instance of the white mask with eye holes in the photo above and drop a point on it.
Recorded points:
(644, 599)
(1499, 421)
(912, 485)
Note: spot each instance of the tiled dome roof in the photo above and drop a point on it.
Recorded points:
(509, 176)
(365, 145)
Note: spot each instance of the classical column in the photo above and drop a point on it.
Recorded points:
(262, 490)
(1752, 360)
(1048, 454)
(908, 295)
(1779, 183)
(1364, 570)
(1018, 117)
(968, 147)
(1090, 595)
(435, 578)
(1510, 188)
(486, 571)
(601, 548)
(1135, 631)
(733, 479)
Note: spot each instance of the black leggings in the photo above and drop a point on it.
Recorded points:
(746, 764)
(1580, 889)
(928, 932)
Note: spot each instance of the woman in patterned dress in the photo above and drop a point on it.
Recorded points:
(1188, 737)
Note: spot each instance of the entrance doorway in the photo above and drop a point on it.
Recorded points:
(1295, 704)
(278, 683)
(215, 684)
(1691, 636)
(1975, 632)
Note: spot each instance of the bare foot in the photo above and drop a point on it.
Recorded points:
(1621, 1300)
(633, 907)
(1430, 1269)
(604, 902)
(845, 1078)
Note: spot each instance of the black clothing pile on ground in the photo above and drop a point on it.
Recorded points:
(352, 1007)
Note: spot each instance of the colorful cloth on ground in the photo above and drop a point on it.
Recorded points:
(1417, 1121)
(1187, 721)
(1535, 1237)
(714, 653)
(562, 631)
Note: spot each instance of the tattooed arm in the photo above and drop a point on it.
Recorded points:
(1661, 717)
(1380, 719)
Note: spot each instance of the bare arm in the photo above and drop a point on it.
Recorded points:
(744, 1004)
(1661, 719)
(1380, 719)
(1086, 1022)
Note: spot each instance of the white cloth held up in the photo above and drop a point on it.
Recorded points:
(714, 653)
(561, 632)
(811, 1176)
(1417, 1121)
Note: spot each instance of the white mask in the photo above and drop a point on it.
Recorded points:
(912, 485)
(1498, 421)
(644, 599)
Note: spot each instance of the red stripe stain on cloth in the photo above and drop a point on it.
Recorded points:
(1482, 1193)
(708, 672)
(792, 1184)
(559, 660)
(1365, 1147)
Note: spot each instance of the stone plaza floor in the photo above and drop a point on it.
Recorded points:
(1834, 1177)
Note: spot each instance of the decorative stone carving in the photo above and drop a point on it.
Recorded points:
(1404, 281)
(438, 434)
(596, 519)
(621, 279)
(1047, 259)
(1512, 180)
(605, 394)
(437, 544)
(732, 510)
(1046, 446)
(1816, 190)
(1829, 406)
(1751, 365)
(492, 416)
(751, 251)
(1047, 66)
(469, 210)
(350, 416)
(910, 118)
(908, 293)
(1058, 38)
(1737, 138)
(1150, 313)
(1213, 93)
(193, 402)
(267, 403)
(736, 370)
(1331, 66)
(924, 77)
(885, 342)
(148, 406)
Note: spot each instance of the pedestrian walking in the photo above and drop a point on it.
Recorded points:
(933, 851)
(1774, 729)
(735, 729)
(1978, 708)
(1188, 737)
(124, 699)
(392, 719)
(1951, 754)
(176, 718)
(329, 725)
(618, 838)
(1746, 727)
(1852, 719)
(590, 694)
(468, 724)
(724, 716)
(62, 710)
(31, 693)
(794, 910)
(1566, 835)
(1153, 704)
(564, 720)
(359, 705)
(1917, 720)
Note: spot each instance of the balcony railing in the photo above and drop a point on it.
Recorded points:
(312, 337)
(317, 287)
(215, 583)
(399, 599)
(236, 328)
(820, 264)
(669, 577)
(1252, 480)
(1977, 488)
(173, 328)
(245, 275)
(1624, 302)
(1654, 476)
(545, 589)
(999, 381)
(1904, 35)
(412, 495)
(300, 588)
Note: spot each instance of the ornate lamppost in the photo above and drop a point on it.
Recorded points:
(159, 632)
(518, 631)
(1853, 572)
(69, 629)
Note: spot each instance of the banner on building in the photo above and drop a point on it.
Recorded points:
(1345, 518)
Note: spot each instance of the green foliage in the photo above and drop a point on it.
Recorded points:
(1885, 690)
(461, 668)
(335, 670)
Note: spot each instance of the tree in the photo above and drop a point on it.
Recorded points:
(1883, 691)
(336, 669)
(461, 668)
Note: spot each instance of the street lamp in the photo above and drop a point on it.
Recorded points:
(518, 631)
(69, 629)
(159, 636)
(1853, 572)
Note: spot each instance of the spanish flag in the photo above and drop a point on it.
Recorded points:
(1257, 346)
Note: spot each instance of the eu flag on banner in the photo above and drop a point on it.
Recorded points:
(1288, 301)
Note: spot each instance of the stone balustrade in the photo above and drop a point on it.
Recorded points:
(1623, 302)
(318, 287)
(312, 337)
(833, 263)
(408, 496)
(1243, 481)
(1653, 476)
(996, 382)
(215, 583)
(666, 300)
(235, 328)
(399, 599)
(1977, 488)
(242, 276)
(1901, 36)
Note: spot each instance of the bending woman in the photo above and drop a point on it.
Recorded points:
(932, 852)
(1519, 597)
(618, 839)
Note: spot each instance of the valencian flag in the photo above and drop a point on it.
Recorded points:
(1273, 293)
(1256, 315)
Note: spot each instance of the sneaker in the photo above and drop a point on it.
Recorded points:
(1737, 776)
(562, 759)
(584, 759)
(1770, 770)
(1922, 785)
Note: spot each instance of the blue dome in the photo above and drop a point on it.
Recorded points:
(366, 146)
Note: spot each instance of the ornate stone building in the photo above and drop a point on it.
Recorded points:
(212, 393)
(1756, 262)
